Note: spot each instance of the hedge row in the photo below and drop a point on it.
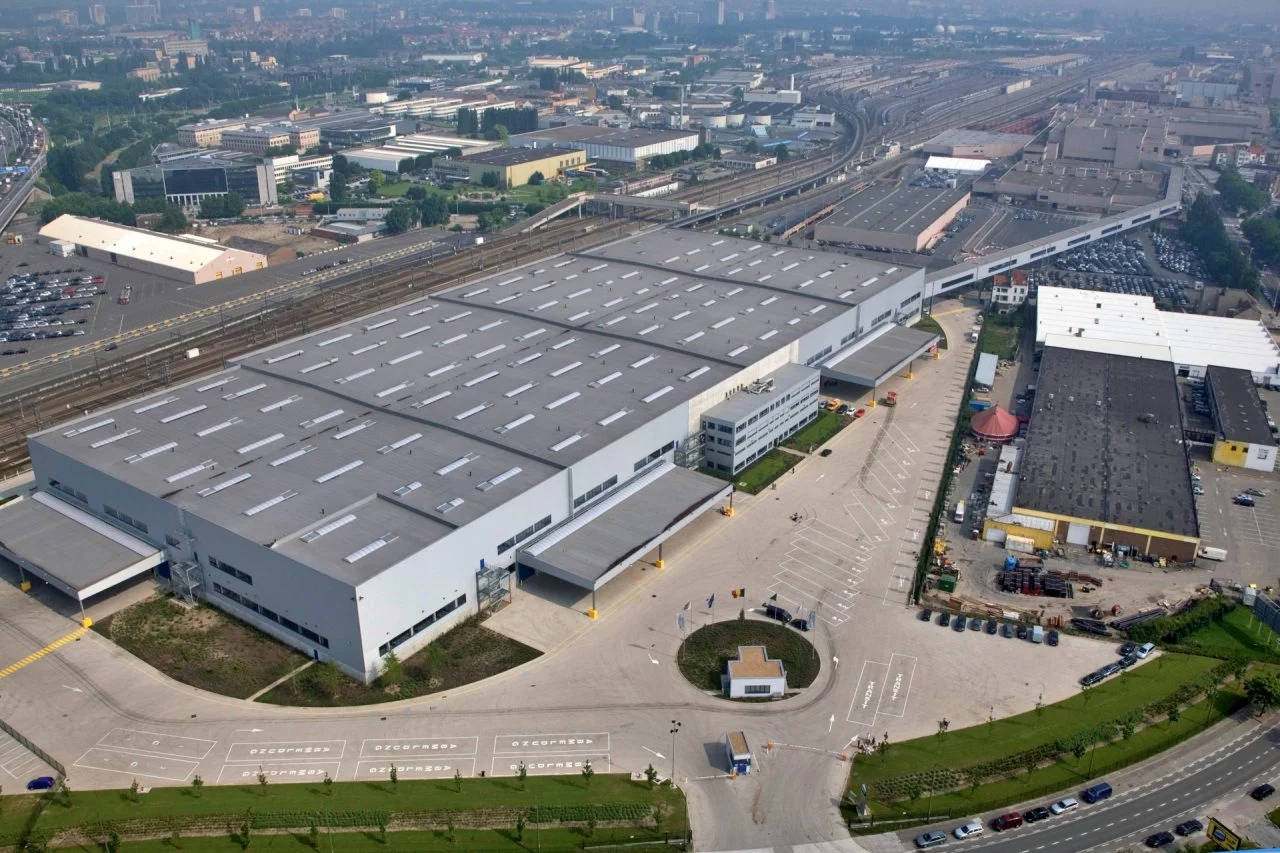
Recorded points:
(1173, 629)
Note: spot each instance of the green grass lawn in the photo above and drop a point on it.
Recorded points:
(293, 806)
(1233, 634)
(759, 474)
(930, 325)
(818, 431)
(469, 841)
(1001, 340)
(464, 654)
(705, 654)
(14, 814)
(1109, 700)
(1069, 773)
(395, 190)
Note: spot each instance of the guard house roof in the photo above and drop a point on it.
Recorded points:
(985, 374)
(896, 210)
(754, 662)
(1105, 444)
(70, 549)
(873, 359)
(421, 418)
(1238, 407)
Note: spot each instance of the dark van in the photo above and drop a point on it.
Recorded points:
(1012, 820)
(1100, 791)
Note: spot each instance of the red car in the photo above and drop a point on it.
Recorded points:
(1012, 820)
(860, 413)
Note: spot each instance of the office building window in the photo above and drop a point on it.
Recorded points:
(68, 491)
(231, 570)
(541, 524)
(124, 518)
(249, 604)
(595, 491)
(757, 689)
(400, 638)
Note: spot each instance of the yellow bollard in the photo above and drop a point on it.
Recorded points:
(872, 404)
(911, 374)
(25, 586)
(591, 614)
(728, 511)
(86, 622)
(662, 564)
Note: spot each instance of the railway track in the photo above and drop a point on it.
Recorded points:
(299, 312)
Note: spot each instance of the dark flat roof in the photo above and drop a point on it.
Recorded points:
(510, 156)
(872, 362)
(1238, 407)
(896, 210)
(1104, 443)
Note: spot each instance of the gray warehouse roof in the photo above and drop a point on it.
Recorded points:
(424, 417)
(1238, 406)
(745, 402)
(895, 210)
(1105, 443)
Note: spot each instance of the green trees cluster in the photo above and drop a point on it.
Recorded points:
(227, 206)
(1238, 195)
(1172, 629)
(484, 122)
(679, 158)
(1263, 233)
(1225, 262)
(172, 219)
(400, 219)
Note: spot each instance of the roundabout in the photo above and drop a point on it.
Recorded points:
(707, 654)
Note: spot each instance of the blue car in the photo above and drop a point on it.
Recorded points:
(40, 783)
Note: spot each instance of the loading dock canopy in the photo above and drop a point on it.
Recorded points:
(70, 549)
(874, 360)
(592, 548)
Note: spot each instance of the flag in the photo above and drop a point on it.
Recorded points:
(773, 597)
(739, 593)
(686, 604)
(711, 602)
(680, 622)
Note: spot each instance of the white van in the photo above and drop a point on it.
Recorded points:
(1145, 649)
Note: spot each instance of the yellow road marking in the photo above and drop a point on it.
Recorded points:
(35, 656)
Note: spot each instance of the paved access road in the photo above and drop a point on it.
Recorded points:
(1132, 815)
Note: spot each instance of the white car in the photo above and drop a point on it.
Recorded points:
(1066, 804)
(969, 830)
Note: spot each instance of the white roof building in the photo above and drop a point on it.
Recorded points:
(387, 155)
(963, 165)
(1125, 324)
(185, 258)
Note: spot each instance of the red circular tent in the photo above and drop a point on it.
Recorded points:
(995, 424)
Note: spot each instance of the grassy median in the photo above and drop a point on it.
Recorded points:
(946, 758)
(818, 431)
(468, 814)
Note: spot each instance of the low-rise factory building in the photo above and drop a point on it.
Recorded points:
(1077, 186)
(513, 167)
(192, 260)
(981, 144)
(1104, 464)
(631, 148)
(899, 219)
(1243, 438)
(365, 487)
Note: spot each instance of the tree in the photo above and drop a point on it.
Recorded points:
(457, 780)
(133, 791)
(196, 785)
(262, 781)
(285, 189)
(1237, 194)
(1263, 233)
(651, 775)
(492, 180)
(752, 147)
(547, 80)
(393, 671)
(587, 772)
(313, 835)
(614, 102)
(434, 210)
(782, 153)
(328, 784)
(394, 775)
(520, 827)
(536, 179)
(399, 219)
(1263, 692)
(338, 185)
(376, 181)
(415, 193)
(327, 679)
(172, 220)
(521, 772)
(405, 166)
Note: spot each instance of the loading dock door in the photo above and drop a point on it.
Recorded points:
(1077, 534)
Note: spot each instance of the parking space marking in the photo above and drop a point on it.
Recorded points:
(302, 750)
(152, 743)
(14, 757)
(420, 747)
(150, 766)
(231, 774)
(573, 742)
(893, 699)
(433, 767)
(35, 656)
(547, 765)
(866, 697)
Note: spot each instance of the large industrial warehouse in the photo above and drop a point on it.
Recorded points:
(631, 148)
(365, 487)
(898, 219)
(192, 260)
(1104, 463)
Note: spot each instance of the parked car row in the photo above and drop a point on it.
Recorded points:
(1176, 255)
(961, 623)
(1130, 654)
(1013, 820)
(33, 306)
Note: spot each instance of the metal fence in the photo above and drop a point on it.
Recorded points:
(33, 749)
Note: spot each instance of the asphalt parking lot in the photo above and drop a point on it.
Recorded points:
(1250, 535)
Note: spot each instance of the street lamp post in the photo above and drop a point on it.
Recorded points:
(675, 729)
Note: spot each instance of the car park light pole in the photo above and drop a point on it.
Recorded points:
(675, 730)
